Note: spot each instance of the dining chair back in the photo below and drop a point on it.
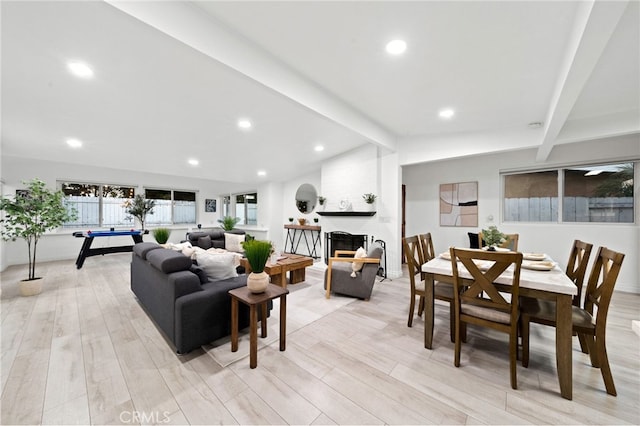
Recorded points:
(478, 300)
(542, 311)
(510, 243)
(577, 266)
(441, 290)
(413, 256)
(589, 322)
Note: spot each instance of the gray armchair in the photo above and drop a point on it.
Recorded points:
(338, 276)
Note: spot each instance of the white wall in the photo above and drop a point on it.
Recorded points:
(61, 245)
(367, 169)
(422, 182)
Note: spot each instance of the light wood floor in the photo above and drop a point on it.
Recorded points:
(84, 352)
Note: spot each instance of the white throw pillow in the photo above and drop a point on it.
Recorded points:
(357, 266)
(179, 247)
(218, 266)
(233, 242)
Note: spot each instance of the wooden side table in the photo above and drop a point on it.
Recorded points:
(253, 301)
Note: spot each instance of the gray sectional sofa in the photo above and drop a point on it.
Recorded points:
(190, 309)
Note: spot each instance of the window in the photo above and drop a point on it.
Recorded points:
(98, 205)
(172, 207)
(598, 193)
(245, 207)
(531, 197)
(102, 205)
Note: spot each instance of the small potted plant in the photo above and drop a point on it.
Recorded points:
(161, 235)
(370, 200)
(290, 220)
(493, 237)
(29, 216)
(302, 221)
(139, 207)
(228, 223)
(257, 253)
(321, 200)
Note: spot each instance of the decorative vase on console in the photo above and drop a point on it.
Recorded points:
(257, 253)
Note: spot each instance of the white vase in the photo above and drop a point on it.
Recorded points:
(31, 287)
(370, 207)
(258, 282)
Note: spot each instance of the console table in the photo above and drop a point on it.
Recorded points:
(297, 233)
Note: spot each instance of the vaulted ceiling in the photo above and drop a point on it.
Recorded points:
(171, 80)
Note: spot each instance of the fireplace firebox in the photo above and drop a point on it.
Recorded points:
(339, 240)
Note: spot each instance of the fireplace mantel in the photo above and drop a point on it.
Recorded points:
(346, 213)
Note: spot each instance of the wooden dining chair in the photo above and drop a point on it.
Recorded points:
(491, 310)
(602, 280)
(510, 243)
(538, 310)
(413, 256)
(441, 291)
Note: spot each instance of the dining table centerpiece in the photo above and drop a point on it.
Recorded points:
(493, 237)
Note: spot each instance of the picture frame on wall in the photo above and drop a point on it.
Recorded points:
(459, 204)
(210, 205)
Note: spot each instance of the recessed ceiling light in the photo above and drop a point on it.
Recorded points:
(244, 124)
(80, 69)
(193, 161)
(396, 47)
(74, 143)
(262, 173)
(319, 148)
(446, 113)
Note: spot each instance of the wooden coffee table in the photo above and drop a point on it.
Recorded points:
(295, 264)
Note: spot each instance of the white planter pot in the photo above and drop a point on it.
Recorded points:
(31, 287)
(257, 283)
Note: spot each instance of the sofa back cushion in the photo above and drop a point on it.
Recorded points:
(142, 249)
(217, 237)
(169, 261)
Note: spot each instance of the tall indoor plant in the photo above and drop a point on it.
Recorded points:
(257, 253)
(139, 207)
(29, 215)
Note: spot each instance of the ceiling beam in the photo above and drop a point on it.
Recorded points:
(194, 27)
(594, 24)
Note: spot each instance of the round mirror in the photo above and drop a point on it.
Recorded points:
(306, 197)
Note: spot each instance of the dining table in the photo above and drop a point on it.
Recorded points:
(549, 282)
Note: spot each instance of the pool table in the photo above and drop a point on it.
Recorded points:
(87, 251)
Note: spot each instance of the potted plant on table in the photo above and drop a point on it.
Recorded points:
(29, 215)
(257, 253)
(493, 237)
(139, 207)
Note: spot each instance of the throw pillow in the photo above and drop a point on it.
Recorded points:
(205, 242)
(357, 266)
(179, 247)
(201, 273)
(218, 266)
(233, 242)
